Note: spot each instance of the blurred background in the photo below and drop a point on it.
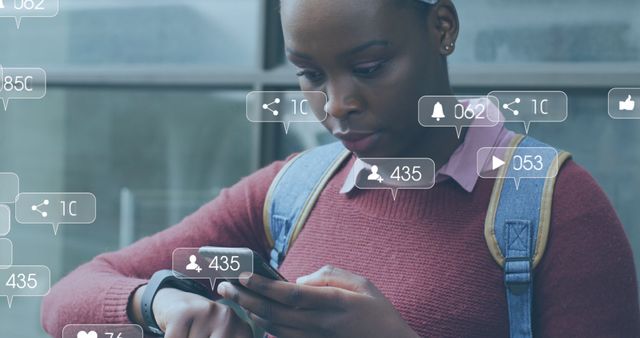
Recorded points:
(145, 107)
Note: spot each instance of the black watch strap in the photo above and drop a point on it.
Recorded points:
(166, 279)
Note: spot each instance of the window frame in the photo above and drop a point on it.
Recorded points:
(273, 72)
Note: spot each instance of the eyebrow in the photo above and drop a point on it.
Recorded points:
(351, 51)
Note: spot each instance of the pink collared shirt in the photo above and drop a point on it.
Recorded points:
(461, 166)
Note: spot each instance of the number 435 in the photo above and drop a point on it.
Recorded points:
(406, 173)
(22, 281)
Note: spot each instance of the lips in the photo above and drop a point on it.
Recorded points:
(358, 141)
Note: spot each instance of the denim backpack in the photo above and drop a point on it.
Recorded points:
(516, 226)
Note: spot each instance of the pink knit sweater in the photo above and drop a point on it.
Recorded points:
(425, 251)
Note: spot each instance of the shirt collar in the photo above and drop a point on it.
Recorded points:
(461, 166)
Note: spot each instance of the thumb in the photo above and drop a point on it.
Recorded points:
(629, 98)
(339, 278)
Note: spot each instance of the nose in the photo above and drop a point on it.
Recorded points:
(342, 100)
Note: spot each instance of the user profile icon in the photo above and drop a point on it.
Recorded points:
(374, 176)
(193, 265)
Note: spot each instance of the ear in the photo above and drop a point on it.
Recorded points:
(447, 24)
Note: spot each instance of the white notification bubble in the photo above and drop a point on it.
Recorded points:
(22, 84)
(56, 208)
(5, 220)
(624, 103)
(102, 331)
(286, 107)
(6, 253)
(18, 9)
(517, 163)
(227, 264)
(24, 281)
(532, 106)
(457, 112)
(394, 174)
(9, 187)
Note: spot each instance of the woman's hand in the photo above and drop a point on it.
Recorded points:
(186, 315)
(328, 303)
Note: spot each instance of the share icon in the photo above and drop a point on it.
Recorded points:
(36, 208)
(267, 106)
(508, 106)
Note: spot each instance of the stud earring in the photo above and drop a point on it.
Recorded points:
(449, 46)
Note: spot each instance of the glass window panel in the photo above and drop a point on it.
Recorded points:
(144, 32)
(171, 150)
(508, 31)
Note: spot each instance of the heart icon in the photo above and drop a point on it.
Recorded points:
(90, 334)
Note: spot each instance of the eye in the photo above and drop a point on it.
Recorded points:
(369, 69)
(311, 75)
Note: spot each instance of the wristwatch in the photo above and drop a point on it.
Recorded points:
(166, 279)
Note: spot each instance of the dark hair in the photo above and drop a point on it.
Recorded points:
(416, 3)
(421, 8)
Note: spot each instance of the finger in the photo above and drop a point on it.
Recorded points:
(176, 330)
(266, 308)
(294, 295)
(339, 278)
(232, 329)
(198, 331)
(283, 331)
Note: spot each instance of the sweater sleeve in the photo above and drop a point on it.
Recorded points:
(585, 285)
(98, 292)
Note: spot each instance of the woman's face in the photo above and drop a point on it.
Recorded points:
(374, 59)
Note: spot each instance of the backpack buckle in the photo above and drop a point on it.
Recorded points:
(517, 273)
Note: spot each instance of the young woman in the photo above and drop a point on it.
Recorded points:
(366, 265)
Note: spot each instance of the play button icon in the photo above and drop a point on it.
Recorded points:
(497, 163)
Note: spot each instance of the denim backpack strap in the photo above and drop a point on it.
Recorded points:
(293, 194)
(517, 228)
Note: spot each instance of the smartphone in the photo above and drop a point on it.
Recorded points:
(260, 266)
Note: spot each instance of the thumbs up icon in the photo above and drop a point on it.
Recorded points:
(627, 105)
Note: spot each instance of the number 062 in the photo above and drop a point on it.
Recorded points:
(29, 4)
